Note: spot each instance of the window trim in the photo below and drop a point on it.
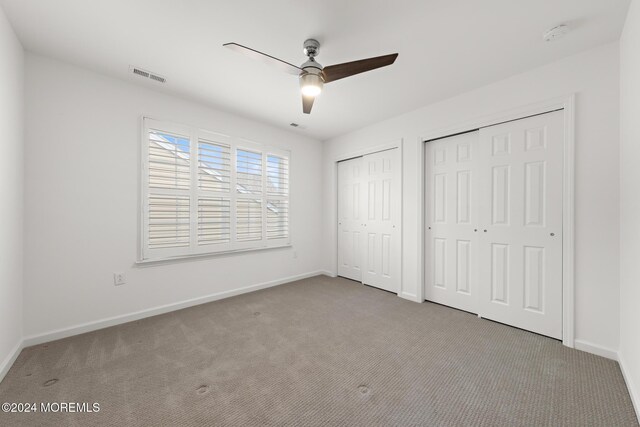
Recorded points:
(146, 255)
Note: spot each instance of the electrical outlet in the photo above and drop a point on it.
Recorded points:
(119, 279)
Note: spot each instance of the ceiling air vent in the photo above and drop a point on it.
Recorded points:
(147, 74)
(157, 78)
(140, 72)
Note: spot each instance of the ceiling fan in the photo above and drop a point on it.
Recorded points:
(313, 75)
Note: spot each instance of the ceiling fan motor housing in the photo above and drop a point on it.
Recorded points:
(311, 47)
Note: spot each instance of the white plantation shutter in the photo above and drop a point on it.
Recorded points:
(214, 191)
(214, 166)
(277, 175)
(214, 220)
(167, 176)
(249, 185)
(204, 192)
(277, 219)
(248, 172)
(277, 197)
(168, 221)
(248, 220)
(169, 161)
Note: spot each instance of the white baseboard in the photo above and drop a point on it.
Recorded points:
(7, 363)
(117, 320)
(327, 273)
(634, 392)
(596, 349)
(410, 297)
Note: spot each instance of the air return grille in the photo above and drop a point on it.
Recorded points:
(148, 75)
(157, 78)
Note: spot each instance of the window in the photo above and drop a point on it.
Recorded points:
(204, 192)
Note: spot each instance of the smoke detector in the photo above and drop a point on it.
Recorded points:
(555, 33)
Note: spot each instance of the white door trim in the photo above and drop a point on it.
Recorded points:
(334, 222)
(369, 150)
(567, 103)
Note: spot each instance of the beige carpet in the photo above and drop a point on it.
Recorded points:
(319, 351)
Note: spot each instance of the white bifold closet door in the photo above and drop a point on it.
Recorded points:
(452, 215)
(369, 219)
(496, 238)
(350, 219)
(521, 252)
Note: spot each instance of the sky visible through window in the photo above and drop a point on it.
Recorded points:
(181, 144)
(247, 161)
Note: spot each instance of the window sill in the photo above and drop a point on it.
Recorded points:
(196, 257)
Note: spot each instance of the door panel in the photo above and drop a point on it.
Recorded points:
(521, 250)
(382, 178)
(499, 273)
(451, 244)
(350, 221)
(463, 273)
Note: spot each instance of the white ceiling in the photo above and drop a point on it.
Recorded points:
(446, 47)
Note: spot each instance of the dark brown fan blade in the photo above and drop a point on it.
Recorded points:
(263, 57)
(340, 71)
(307, 103)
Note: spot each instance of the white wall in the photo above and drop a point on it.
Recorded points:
(630, 202)
(11, 191)
(82, 150)
(594, 76)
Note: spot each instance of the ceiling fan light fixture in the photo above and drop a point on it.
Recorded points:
(311, 84)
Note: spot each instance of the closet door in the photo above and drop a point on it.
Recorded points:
(350, 219)
(521, 217)
(382, 220)
(452, 214)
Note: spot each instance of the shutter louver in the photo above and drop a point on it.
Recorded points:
(277, 219)
(248, 172)
(169, 161)
(214, 220)
(168, 221)
(277, 175)
(248, 219)
(214, 166)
